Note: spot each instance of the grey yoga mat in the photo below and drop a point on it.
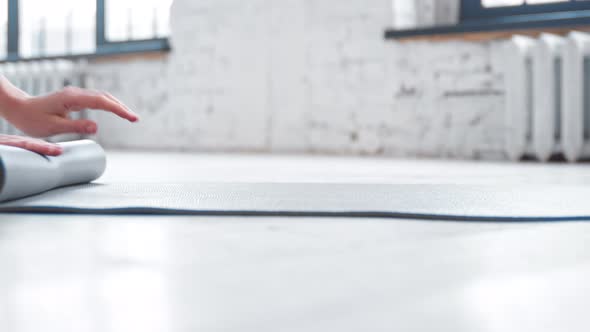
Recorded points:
(440, 202)
(24, 173)
(32, 176)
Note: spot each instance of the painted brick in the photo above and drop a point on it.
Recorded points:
(307, 76)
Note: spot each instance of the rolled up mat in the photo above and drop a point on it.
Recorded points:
(418, 201)
(24, 173)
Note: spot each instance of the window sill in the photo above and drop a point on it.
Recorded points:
(497, 28)
(111, 49)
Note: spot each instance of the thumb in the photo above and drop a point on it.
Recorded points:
(65, 125)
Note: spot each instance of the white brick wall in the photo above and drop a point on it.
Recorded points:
(306, 76)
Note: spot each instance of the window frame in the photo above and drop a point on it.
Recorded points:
(103, 45)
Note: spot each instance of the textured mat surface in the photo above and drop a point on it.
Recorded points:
(442, 202)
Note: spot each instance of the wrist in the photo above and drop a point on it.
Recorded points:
(10, 97)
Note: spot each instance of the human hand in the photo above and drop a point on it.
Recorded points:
(32, 144)
(47, 115)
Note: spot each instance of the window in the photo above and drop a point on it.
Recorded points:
(486, 9)
(507, 3)
(3, 28)
(52, 28)
(137, 19)
(483, 16)
(31, 29)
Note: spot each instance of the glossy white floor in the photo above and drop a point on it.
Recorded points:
(108, 273)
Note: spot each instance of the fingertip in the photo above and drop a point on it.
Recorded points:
(54, 151)
(133, 117)
(90, 128)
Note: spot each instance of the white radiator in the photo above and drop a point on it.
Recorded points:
(41, 77)
(576, 97)
(548, 97)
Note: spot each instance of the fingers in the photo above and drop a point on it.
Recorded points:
(78, 99)
(42, 147)
(111, 97)
(32, 144)
(66, 125)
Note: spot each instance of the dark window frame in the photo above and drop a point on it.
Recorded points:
(103, 45)
(476, 18)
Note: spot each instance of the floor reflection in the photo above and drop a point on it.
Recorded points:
(103, 277)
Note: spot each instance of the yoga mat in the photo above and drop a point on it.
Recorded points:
(24, 173)
(440, 202)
